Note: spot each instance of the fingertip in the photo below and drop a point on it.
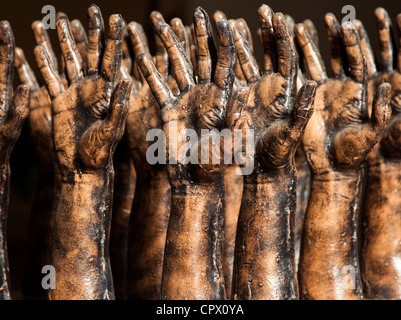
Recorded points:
(329, 18)
(384, 92)
(115, 26)
(6, 34)
(5, 26)
(157, 19)
(219, 15)
(310, 86)
(19, 56)
(381, 14)
(307, 94)
(176, 22)
(37, 28)
(94, 17)
(164, 31)
(22, 95)
(265, 12)
(300, 29)
(61, 16)
(224, 33)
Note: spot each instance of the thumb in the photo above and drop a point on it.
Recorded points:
(119, 107)
(303, 109)
(381, 112)
(20, 109)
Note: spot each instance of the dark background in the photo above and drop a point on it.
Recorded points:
(22, 13)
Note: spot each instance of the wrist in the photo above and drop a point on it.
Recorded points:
(337, 176)
(76, 177)
(199, 189)
(261, 175)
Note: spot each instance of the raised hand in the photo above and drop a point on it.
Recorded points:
(200, 105)
(88, 121)
(337, 140)
(13, 112)
(382, 231)
(196, 225)
(269, 106)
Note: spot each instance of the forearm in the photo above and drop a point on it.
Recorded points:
(329, 262)
(264, 266)
(381, 264)
(81, 238)
(194, 246)
(147, 234)
(4, 200)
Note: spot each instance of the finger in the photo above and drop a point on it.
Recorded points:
(204, 45)
(118, 110)
(381, 112)
(246, 32)
(95, 39)
(310, 26)
(138, 45)
(50, 76)
(7, 52)
(42, 38)
(337, 50)
(226, 57)
(246, 59)
(302, 111)
(291, 23)
(140, 32)
(159, 87)
(113, 52)
(81, 40)
(267, 35)
(287, 59)
(181, 33)
(125, 48)
(18, 113)
(385, 40)
(180, 63)
(399, 41)
(72, 58)
(355, 58)
(313, 60)
(218, 15)
(366, 48)
(24, 70)
(192, 47)
(161, 56)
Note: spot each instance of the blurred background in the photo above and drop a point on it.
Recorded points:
(21, 14)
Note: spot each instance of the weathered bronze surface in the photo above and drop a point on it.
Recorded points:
(318, 217)
(151, 207)
(195, 237)
(337, 140)
(13, 112)
(88, 121)
(264, 265)
(381, 249)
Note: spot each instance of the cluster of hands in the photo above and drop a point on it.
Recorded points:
(110, 90)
